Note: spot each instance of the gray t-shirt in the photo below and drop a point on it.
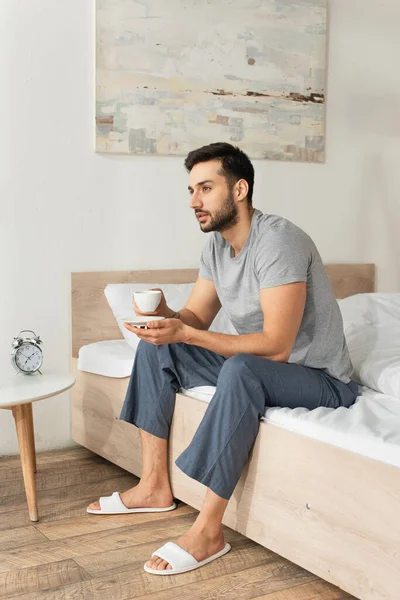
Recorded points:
(278, 252)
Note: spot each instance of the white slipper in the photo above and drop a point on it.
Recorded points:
(180, 560)
(113, 505)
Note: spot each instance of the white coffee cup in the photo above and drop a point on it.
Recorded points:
(147, 300)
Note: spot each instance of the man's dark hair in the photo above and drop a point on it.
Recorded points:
(234, 162)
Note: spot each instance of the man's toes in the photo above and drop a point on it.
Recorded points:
(94, 506)
(169, 567)
(153, 562)
(158, 564)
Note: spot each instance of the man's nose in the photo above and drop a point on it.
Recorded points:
(195, 201)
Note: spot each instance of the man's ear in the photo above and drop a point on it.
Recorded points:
(242, 189)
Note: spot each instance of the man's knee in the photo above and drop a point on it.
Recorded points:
(244, 365)
(239, 376)
(235, 366)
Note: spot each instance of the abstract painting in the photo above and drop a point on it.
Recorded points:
(175, 75)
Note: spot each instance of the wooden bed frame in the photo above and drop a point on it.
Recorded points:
(333, 512)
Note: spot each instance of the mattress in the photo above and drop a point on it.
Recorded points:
(371, 427)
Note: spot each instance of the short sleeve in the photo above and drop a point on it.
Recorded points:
(205, 263)
(283, 256)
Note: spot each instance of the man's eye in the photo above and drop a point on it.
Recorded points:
(206, 188)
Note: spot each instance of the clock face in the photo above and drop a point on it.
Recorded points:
(28, 358)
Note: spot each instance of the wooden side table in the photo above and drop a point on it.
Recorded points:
(17, 394)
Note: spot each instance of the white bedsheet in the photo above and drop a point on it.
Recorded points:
(371, 427)
(113, 358)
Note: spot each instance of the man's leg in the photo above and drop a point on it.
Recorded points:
(222, 443)
(246, 385)
(158, 373)
(153, 489)
(205, 537)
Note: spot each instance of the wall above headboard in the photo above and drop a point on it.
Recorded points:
(93, 321)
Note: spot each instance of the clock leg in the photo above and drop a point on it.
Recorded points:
(22, 420)
(31, 435)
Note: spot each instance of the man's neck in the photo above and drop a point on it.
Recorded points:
(238, 234)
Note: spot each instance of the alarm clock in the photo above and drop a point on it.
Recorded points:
(26, 354)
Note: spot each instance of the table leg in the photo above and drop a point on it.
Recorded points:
(32, 449)
(22, 418)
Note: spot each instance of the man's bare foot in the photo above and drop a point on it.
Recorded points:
(143, 496)
(198, 542)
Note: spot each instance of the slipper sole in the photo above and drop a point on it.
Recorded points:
(130, 510)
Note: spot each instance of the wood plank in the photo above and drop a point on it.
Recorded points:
(20, 536)
(48, 456)
(231, 582)
(316, 590)
(12, 473)
(86, 492)
(124, 559)
(271, 575)
(48, 513)
(92, 523)
(41, 578)
(53, 479)
(69, 454)
(80, 545)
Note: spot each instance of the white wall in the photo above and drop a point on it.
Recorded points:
(64, 208)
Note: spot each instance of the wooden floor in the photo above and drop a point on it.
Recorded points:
(69, 554)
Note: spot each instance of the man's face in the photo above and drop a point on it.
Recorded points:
(211, 197)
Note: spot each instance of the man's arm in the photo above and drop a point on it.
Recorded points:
(283, 308)
(202, 306)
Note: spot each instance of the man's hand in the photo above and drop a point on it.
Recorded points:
(168, 331)
(162, 309)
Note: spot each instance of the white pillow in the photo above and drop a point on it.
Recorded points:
(372, 330)
(119, 297)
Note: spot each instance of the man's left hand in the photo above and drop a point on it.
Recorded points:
(167, 331)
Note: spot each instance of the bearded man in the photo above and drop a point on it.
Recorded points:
(290, 351)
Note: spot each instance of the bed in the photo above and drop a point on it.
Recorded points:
(329, 500)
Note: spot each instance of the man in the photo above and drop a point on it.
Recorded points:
(290, 351)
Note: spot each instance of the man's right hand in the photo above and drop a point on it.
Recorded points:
(162, 309)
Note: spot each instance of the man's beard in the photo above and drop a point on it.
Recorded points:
(225, 218)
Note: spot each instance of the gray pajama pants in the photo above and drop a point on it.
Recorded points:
(246, 385)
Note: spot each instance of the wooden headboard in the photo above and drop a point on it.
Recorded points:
(93, 321)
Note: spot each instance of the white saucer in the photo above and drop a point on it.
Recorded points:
(140, 321)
